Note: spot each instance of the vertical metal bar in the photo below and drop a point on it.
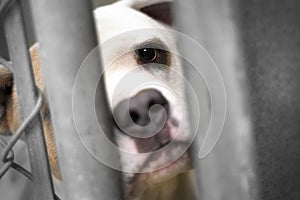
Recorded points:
(228, 172)
(3, 46)
(66, 35)
(27, 97)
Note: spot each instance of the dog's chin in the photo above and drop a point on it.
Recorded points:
(142, 182)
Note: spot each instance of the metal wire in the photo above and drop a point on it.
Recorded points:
(11, 164)
(5, 63)
(9, 160)
(8, 154)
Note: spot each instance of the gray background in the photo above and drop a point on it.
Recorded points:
(271, 36)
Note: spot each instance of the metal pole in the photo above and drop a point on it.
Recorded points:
(66, 35)
(27, 98)
(228, 171)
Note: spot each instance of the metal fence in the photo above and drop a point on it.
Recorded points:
(76, 163)
(228, 173)
(21, 66)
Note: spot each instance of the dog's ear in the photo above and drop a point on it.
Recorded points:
(6, 83)
(160, 10)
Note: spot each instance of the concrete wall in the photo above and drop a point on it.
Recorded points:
(271, 39)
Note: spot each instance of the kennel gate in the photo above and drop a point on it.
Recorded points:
(65, 29)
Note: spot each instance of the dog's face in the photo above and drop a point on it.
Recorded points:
(144, 84)
(145, 92)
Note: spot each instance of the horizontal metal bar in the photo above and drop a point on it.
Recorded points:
(66, 35)
(27, 98)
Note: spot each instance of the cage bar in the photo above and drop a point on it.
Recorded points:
(27, 97)
(66, 35)
(228, 171)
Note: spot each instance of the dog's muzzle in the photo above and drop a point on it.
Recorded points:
(144, 117)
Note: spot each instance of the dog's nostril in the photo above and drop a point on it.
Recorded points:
(134, 116)
(151, 103)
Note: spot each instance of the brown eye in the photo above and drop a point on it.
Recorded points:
(147, 55)
(152, 53)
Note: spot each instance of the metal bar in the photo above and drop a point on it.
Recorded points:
(4, 5)
(66, 34)
(27, 98)
(3, 46)
(228, 171)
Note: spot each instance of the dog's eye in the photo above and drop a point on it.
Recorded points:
(151, 55)
(147, 55)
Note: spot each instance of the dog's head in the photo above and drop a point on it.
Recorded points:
(143, 77)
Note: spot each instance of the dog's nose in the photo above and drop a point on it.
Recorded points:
(144, 117)
(137, 108)
(142, 102)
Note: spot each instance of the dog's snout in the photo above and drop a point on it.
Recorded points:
(142, 102)
(147, 112)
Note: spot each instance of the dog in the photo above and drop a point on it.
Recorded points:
(151, 100)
